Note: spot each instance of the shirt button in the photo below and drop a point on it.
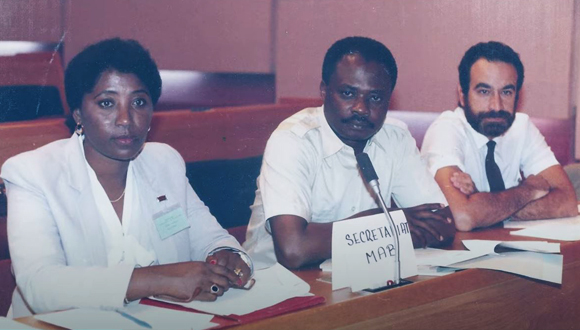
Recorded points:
(353, 208)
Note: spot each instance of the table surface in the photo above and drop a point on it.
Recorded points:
(468, 299)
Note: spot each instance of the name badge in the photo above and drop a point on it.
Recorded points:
(170, 222)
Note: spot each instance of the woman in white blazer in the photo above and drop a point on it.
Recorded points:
(104, 218)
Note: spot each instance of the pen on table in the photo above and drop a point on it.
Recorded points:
(134, 319)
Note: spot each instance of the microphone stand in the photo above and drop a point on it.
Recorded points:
(372, 179)
(375, 185)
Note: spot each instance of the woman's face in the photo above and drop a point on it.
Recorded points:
(115, 116)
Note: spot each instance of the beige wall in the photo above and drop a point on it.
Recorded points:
(428, 38)
(217, 35)
(30, 20)
(289, 37)
(575, 77)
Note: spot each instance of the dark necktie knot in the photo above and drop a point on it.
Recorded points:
(491, 146)
(492, 170)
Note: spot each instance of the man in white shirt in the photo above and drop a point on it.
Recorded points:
(309, 176)
(478, 151)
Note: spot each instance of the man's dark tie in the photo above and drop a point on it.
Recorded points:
(492, 170)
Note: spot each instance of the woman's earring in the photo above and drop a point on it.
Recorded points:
(79, 129)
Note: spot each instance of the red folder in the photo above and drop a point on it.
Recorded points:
(225, 321)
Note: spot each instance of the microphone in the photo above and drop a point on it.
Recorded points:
(367, 169)
(370, 176)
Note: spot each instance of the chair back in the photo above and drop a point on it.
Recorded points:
(40, 74)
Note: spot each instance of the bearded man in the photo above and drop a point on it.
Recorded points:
(479, 151)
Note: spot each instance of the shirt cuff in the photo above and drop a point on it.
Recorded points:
(245, 257)
(538, 167)
(441, 163)
(110, 290)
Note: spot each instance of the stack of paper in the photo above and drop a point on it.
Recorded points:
(546, 267)
(437, 257)
(538, 261)
(273, 285)
(571, 221)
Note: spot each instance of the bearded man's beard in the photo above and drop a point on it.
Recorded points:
(489, 128)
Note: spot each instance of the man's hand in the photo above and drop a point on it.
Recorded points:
(463, 182)
(430, 225)
(538, 186)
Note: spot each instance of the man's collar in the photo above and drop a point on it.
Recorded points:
(331, 143)
(376, 140)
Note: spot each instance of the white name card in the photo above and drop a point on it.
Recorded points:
(364, 254)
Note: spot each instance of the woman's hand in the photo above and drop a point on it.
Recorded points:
(232, 261)
(181, 282)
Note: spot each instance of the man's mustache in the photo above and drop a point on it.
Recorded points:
(357, 119)
(495, 114)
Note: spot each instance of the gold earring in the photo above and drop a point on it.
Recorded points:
(79, 129)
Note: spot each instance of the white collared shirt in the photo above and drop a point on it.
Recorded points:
(125, 240)
(309, 172)
(451, 141)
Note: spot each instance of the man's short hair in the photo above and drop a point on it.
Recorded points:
(124, 56)
(370, 49)
(492, 51)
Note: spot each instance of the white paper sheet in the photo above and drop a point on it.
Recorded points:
(6, 323)
(364, 253)
(559, 233)
(326, 266)
(158, 318)
(438, 257)
(87, 319)
(163, 318)
(542, 266)
(273, 285)
(536, 223)
(481, 246)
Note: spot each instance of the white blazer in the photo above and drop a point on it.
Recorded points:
(56, 233)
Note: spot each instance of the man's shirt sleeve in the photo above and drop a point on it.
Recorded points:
(412, 183)
(285, 178)
(442, 146)
(537, 155)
